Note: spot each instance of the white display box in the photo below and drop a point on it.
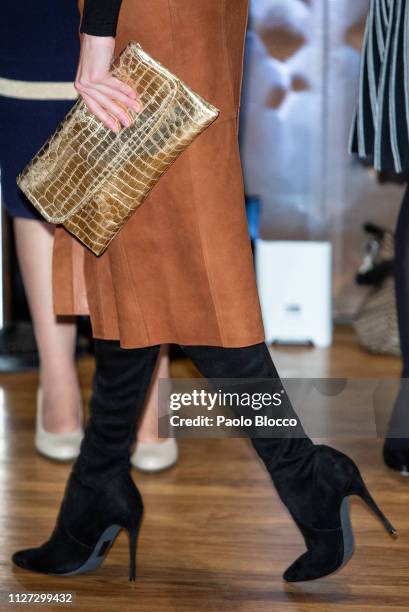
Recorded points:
(295, 287)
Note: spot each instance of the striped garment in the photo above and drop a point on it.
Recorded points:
(380, 131)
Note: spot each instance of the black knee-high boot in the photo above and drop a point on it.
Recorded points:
(255, 363)
(100, 497)
(120, 384)
(313, 481)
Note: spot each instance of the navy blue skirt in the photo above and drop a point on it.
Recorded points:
(38, 43)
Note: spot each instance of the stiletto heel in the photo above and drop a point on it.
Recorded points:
(361, 490)
(133, 542)
(86, 527)
(325, 521)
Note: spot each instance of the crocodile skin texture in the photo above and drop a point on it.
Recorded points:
(90, 179)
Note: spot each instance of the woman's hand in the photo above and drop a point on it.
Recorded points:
(105, 96)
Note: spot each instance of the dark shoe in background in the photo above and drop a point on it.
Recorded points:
(396, 455)
(396, 445)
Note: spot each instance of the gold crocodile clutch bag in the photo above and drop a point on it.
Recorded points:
(91, 179)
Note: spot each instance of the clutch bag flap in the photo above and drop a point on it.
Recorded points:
(91, 179)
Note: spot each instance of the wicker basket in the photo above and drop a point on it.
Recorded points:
(376, 323)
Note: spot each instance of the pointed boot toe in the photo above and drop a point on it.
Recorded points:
(327, 551)
(298, 570)
(21, 558)
(61, 554)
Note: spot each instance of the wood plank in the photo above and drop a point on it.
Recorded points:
(215, 537)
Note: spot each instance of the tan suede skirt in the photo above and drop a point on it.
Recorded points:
(181, 270)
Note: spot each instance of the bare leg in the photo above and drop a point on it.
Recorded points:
(55, 340)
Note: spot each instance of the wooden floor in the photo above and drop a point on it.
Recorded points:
(215, 536)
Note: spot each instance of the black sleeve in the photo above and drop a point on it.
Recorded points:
(100, 17)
